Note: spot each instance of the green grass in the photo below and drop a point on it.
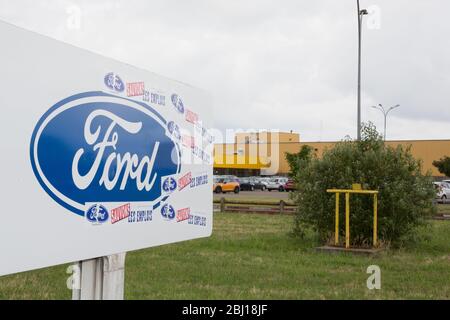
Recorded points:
(254, 257)
(443, 209)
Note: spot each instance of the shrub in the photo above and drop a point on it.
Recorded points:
(405, 194)
(443, 165)
(295, 159)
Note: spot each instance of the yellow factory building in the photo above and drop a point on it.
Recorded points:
(263, 153)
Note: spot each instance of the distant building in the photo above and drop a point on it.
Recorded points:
(263, 153)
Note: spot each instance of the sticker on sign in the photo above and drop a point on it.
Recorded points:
(91, 167)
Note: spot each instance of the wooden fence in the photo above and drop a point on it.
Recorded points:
(280, 207)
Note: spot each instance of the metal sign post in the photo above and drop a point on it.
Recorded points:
(101, 278)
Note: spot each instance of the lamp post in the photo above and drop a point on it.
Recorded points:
(361, 14)
(385, 114)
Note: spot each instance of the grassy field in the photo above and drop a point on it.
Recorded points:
(254, 257)
(443, 209)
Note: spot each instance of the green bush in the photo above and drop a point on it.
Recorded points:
(443, 165)
(405, 194)
(295, 159)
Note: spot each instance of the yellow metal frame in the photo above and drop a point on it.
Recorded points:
(356, 189)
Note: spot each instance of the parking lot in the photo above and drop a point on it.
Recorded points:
(254, 195)
(443, 206)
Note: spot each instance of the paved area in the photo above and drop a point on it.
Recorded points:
(254, 195)
(272, 195)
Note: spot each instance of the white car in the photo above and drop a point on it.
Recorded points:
(276, 184)
(442, 190)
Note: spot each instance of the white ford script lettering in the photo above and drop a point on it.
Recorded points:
(133, 167)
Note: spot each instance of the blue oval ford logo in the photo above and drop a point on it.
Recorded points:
(174, 130)
(169, 184)
(114, 82)
(97, 214)
(97, 147)
(177, 103)
(168, 212)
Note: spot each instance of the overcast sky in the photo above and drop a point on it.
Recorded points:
(285, 64)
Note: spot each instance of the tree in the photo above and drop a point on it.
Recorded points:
(443, 165)
(405, 194)
(295, 159)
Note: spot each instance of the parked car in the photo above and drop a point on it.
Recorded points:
(442, 190)
(265, 180)
(282, 179)
(276, 184)
(246, 184)
(226, 184)
(260, 183)
(289, 185)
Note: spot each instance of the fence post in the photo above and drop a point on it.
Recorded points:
(282, 203)
(222, 204)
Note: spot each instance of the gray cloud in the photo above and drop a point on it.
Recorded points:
(275, 64)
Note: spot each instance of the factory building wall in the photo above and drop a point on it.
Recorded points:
(246, 144)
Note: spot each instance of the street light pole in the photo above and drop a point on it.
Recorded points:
(361, 13)
(385, 114)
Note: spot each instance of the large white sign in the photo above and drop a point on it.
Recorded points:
(97, 157)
